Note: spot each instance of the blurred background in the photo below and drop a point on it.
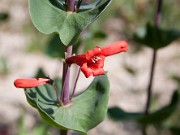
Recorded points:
(25, 52)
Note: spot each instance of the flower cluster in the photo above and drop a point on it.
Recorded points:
(92, 62)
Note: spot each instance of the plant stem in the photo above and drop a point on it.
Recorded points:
(149, 89)
(70, 5)
(78, 5)
(144, 130)
(63, 132)
(74, 88)
(66, 77)
(66, 69)
(157, 21)
(57, 95)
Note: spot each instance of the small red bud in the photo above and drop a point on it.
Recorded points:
(30, 82)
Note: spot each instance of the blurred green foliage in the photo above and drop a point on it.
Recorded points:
(166, 118)
(153, 118)
(135, 13)
(4, 68)
(154, 37)
(3, 16)
(40, 128)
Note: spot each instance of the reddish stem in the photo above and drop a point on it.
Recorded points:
(157, 21)
(56, 90)
(149, 89)
(78, 5)
(70, 5)
(77, 77)
(65, 96)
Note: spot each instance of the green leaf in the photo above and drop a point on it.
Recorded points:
(130, 69)
(83, 113)
(99, 34)
(154, 37)
(91, 39)
(22, 129)
(50, 16)
(40, 129)
(4, 66)
(40, 73)
(152, 118)
(118, 114)
(55, 47)
(4, 16)
(175, 130)
(176, 78)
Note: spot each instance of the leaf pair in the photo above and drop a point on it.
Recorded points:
(154, 37)
(49, 16)
(152, 118)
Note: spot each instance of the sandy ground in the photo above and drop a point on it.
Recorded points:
(127, 91)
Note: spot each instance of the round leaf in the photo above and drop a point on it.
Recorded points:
(50, 16)
(83, 113)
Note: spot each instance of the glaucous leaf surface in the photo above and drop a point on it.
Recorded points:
(83, 113)
(50, 16)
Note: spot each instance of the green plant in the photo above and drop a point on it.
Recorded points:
(52, 97)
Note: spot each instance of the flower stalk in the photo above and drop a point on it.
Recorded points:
(157, 21)
(63, 132)
(57, 95)
(78, 5)
(75, 83)
(65, 96)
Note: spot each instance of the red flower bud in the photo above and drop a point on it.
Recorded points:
(30, 82)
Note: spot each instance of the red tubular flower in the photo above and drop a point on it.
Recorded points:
(92, 62)
(30, 82)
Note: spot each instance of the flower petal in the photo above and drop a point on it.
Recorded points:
(114, 48)
(78, 59)
(99, 71)
(86, 70)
